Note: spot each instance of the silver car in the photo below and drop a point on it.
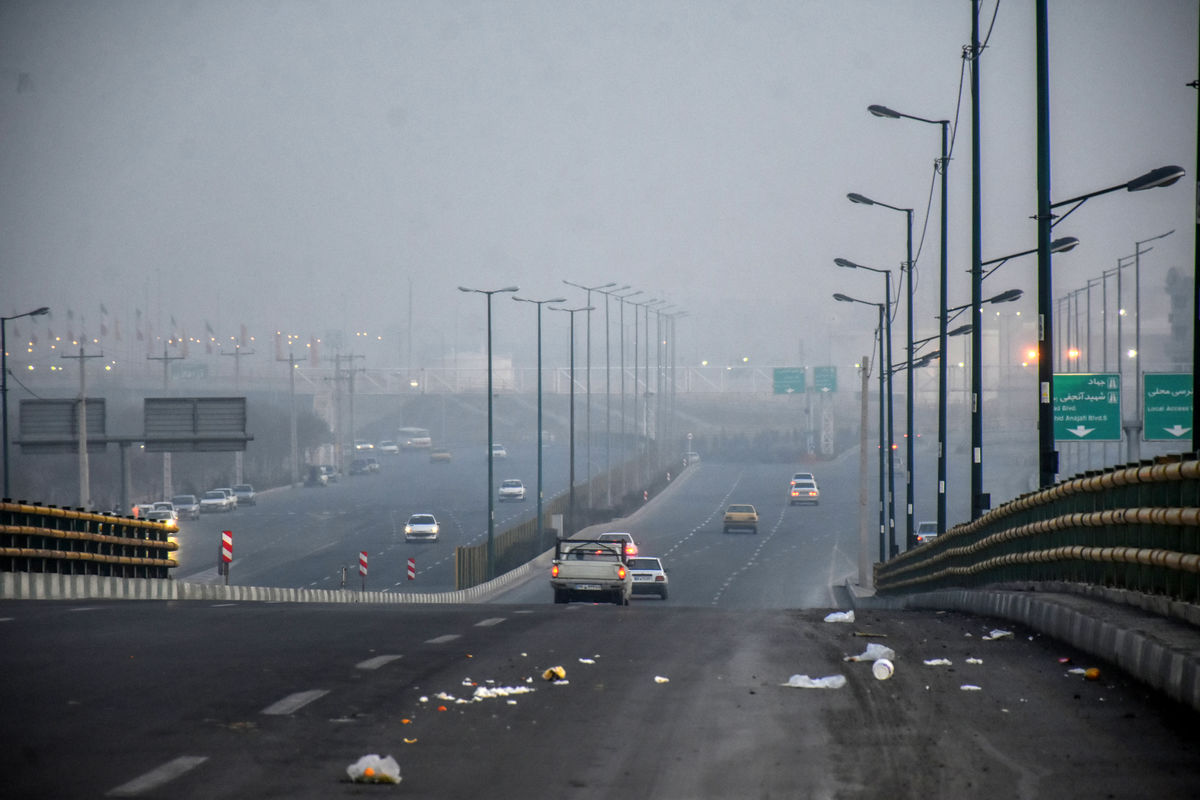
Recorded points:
(649, 576)
(421, 528)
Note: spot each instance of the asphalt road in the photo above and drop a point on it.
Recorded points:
(677, 699)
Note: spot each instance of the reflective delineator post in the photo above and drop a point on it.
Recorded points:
(226, 553)
(362, 568)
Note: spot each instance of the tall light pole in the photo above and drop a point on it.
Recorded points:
(588, 380)
(841, 298)
(885, 352)
(624, 435)
(491, 492)
(37, 312)
(1155, 178)
(608, 396)
(910, 537)
(571, 480)
(540, 437)
(1135, 433)
(942, 166)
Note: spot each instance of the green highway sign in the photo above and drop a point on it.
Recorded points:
(789, 380)
(1087, 406)
(825, 379)
(1166, 406)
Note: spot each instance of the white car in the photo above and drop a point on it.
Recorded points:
(926, 531)
(421, 528)
(215, 500)
(511, 489)
(804, 491)
(498, 450)
(187, 506)
(233, 498)
(649, 576)
(244, 493)
(388, 447)
(162, 515)
(630, 547)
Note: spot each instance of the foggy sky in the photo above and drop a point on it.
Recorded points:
(304, 166)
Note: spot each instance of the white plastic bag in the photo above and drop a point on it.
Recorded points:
(840, 616)
(373, 769)
(874, 652)
(805, 682)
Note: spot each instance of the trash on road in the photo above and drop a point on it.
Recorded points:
(373, 769)
(970, 687)
(554, 673)
(998, 634)
(874, 652)
(1091, 674)
(587, 661)
(840, 616)
(974, 660)
(938, 662)
(882, 669)
(805, 682)
(661, 679)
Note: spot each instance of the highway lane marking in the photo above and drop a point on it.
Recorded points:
(489, 622)
(294, 702)
(87, 608)
(157, 777)
(377, 662)
(6, 619)
(223, 605)
(449, 637)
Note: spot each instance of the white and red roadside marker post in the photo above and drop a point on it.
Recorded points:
(226, 554)
(412, 569)
(362, 568)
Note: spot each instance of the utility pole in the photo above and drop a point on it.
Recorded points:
(237, 355)
(167, 478)
(85, 490)
(291, 362)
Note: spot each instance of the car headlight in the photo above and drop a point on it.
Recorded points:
(408, 528)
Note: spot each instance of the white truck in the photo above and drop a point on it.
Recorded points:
(591, 570)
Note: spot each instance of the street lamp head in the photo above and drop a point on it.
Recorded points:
(1163, 176)
(841, 298)
(960, 330)
(883, 111)
(1064, 244)
(1006, 297)
(854, 197)
(37, 312)
(845, 262)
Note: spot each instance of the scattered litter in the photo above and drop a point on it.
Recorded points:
(805, 682)
(485, 693)
(563, 682)
(874, 652)
(1064, 660)
(469, 682)
(974, 660)
(511, 702)
(938, 662)
(410, 741)
(424, 699)
(882, 669)
(840, 616)
(1076, 671)
(970, 687)
(373, 769)
(554, 673)
(661, 679)
(441, 708)
(998, 634)
(587, 661)
(869, 635)
(1091, 674)
(406, 722)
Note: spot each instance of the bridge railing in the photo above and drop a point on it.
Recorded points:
(40, 539)
(1135, 527)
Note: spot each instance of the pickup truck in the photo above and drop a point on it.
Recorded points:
(741, 517)
(591, 570)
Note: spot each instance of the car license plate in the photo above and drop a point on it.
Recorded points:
(642, 577)
(587, 587)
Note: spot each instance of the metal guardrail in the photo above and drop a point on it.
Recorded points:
(40, 539)
(1135, 527)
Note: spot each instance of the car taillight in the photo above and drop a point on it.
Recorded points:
(631, 550)
(812, 494)
(621, 573)
(660, 577)
(795, 492)
(554, 571)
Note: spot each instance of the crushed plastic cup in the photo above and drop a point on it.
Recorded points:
(998, 634)
(874, 652)
(805, 682)
(840, 616)
(554, 674)
(882, 669)
(374, 769)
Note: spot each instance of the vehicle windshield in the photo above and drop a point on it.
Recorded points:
(183, 499)
(215, 495)
(242, 487)
(741, 509)
(422, 519)
(511, 484)
(644, 563)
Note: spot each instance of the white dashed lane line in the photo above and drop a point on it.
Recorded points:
(377, 662)
(294, 702)
(449, 637)
(157, 777)
(487, 623)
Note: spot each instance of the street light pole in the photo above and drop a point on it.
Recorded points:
(588, 381)
(1135, 431)
(491, 493)
(608, 397)
(539, 304)
(37, 312)
(943, 167)
(624, 436)
(571, 479)
(910, 539)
